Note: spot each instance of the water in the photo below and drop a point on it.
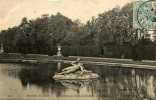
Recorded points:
(34, 81)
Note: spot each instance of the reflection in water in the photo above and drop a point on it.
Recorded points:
(150, 87)
(59, 66)
(41, 77)
(25, 80)
(78, 85)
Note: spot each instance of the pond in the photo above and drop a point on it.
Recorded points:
(34, 81)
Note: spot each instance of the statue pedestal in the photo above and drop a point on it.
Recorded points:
(1, 49)
(59, 50)
(59, 54)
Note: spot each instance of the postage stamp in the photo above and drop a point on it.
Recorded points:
(144, 14)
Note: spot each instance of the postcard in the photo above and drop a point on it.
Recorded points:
(77, 50)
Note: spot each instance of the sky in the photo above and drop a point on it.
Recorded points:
(12, 11)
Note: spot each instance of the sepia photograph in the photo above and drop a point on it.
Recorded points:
(78, 50)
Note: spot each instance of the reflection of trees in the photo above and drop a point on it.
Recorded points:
(123, 84)
(145, 84)
(42, 77)
(114, 84)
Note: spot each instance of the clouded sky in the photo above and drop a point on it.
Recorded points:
(12, 11)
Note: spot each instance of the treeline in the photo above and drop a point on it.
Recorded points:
(110, 29)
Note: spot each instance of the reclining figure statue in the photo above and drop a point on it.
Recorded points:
(76, 66)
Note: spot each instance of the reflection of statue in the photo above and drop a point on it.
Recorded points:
(59, 65)
(71, 84)
(75, 84)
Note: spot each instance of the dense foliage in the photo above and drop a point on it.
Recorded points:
(111, 34)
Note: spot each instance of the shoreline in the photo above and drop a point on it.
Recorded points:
(38, 58)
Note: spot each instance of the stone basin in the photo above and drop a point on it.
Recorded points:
(76, 75)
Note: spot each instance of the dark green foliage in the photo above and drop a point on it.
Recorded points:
(81, 51)
(111, 34)
(37, 36)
